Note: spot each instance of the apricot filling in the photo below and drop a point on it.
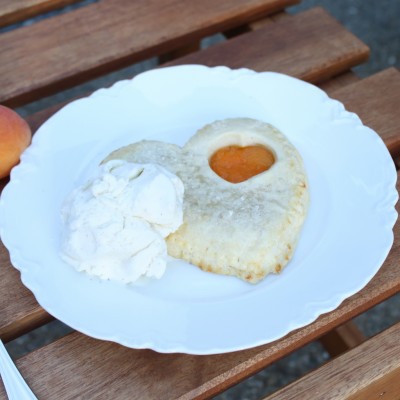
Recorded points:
(237, 164)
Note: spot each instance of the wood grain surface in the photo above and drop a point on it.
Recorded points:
(12, 11)
(387, 386)
(369, 371)
(73, 47)
(378, 106)
(312, 46)
(282, 55)
(339, 82)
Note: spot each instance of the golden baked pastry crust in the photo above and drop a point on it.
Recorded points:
(247, 229)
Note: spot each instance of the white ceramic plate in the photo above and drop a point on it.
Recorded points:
(346, 237)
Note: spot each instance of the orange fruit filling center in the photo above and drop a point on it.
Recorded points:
(237, 164)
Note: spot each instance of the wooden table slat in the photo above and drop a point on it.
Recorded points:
(339, 82)
(70, 48)
(13, 11)
(353, 375)
(186, 376)
(378, 105)
(319, 64)
(19, 310)
(312, 46)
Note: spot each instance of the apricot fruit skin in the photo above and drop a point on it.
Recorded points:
(15, 137)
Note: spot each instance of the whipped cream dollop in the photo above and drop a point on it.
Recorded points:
(116, 223)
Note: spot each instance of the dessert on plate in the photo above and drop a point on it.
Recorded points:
(245, 196)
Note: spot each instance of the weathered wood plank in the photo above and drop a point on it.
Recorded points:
(68, 49)
(231, 54)
(376, 100)
(19, 310)
(312, 46)
(388, 386)
(12, 11)
(369, 371)
(339, 82)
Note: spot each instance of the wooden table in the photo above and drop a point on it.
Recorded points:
(72, 47)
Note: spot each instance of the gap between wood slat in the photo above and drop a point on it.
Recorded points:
(26, 324)
(13, 11)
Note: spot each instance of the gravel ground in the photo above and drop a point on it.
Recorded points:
(374, 22)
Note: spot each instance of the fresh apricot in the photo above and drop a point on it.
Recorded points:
(236, 164)
(15, 137)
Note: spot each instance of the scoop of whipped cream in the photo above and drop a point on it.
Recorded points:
(116, 223)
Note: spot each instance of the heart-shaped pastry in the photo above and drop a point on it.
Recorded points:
(245, 199)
